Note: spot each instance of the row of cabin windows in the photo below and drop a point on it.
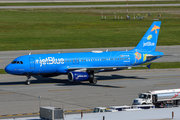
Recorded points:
(17, 62)
(95, 59)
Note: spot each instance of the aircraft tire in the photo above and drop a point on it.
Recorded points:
(93, 81)
(27, 82)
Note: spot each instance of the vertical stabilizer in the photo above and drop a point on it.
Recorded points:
(149, 40)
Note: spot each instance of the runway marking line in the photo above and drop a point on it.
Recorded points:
(24, 114)
(59, 90)
(19, 114)
(7, 93)
(165, 84)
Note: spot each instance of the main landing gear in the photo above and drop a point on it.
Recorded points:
(92, 79)
(28, 81)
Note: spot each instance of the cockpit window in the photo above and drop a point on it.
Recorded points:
(17, 62)
(13, 62)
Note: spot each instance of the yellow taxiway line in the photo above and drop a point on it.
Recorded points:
(25, 114)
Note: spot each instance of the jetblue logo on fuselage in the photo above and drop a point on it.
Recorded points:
(49, 61)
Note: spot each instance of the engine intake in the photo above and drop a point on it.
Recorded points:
(79, 76)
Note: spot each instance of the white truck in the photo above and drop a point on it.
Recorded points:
(159, 98)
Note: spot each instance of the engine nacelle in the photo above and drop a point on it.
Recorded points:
(79, 76)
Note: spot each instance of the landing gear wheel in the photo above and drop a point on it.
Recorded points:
(94, 81)
(27, 82)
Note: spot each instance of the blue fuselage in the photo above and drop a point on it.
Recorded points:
(59, 63)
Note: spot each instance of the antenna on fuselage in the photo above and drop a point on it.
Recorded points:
(59, 52)
(30, 53)
(107, 50)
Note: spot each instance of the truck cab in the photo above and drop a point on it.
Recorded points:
(144, 98)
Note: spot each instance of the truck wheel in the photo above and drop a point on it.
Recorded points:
(178, 102)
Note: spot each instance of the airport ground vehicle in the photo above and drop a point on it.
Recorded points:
(118, 108)
(111, 109)
(160, 98)
(99, 109)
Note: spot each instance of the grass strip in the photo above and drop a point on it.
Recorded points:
(2, 71)
(29, 29)
(163, 65)
(89, 3)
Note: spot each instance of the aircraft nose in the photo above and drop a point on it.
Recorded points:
(8, 69)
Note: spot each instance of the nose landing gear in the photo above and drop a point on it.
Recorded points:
(28, 81)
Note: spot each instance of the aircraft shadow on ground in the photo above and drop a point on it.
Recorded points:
(113, 77)
(65, 82)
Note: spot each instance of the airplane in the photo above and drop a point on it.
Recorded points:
(82, 66)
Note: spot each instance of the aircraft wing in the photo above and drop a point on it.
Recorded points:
(104, 68)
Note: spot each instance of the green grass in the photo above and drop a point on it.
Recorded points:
(28, 29)
(163, 65)
(90, 3)
(2, 71)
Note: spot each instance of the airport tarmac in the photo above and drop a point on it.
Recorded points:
(112, 89)
(7, 57)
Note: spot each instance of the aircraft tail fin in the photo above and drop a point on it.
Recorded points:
(149, 40)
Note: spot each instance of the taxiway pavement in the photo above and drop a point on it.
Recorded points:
(113, 88)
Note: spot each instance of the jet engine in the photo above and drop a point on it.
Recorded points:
(79, 76)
